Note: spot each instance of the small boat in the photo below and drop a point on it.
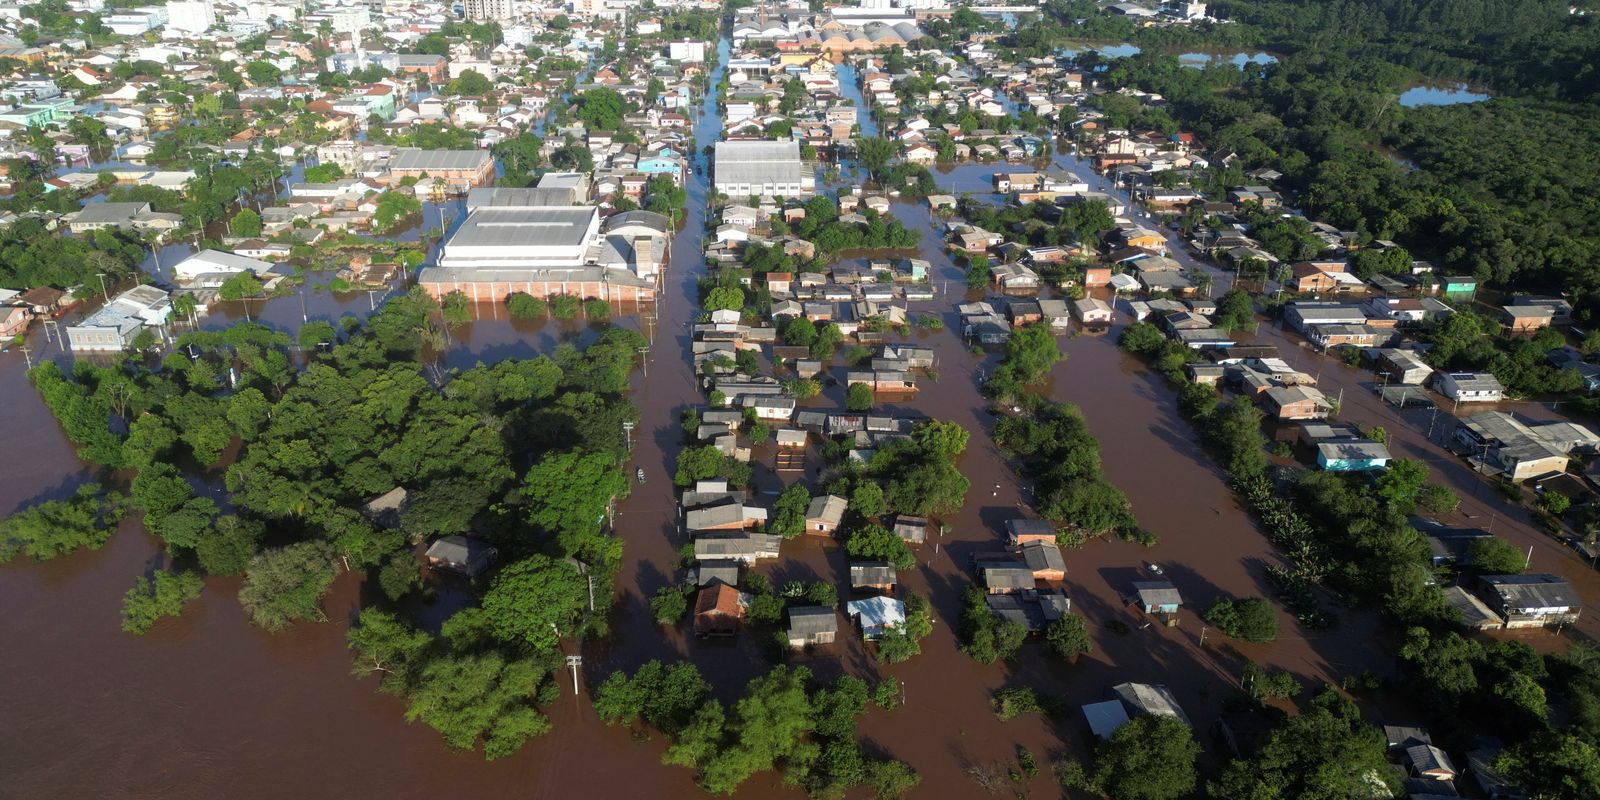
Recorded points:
(641, 474)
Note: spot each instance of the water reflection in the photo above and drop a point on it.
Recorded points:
(1418, 96)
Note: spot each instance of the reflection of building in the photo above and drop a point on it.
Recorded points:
(505, 247)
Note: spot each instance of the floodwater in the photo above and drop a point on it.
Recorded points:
(208, 706)
(1418, 96)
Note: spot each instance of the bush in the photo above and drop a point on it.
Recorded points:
(564, 306)
(1067, 638)
(596, 310)
(1016, 701)
(525, 306)
(1250, 619)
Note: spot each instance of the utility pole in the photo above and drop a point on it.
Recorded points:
(573, 662)
(1529, 560)
(27, 356)
(1202, 636)
(103, 292)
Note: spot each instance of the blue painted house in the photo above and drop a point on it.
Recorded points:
(660, 165)
(1459, 287)
(1157, 597)
(1352, 456)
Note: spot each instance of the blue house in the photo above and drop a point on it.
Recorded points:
(1352, 456)
(660, 165)
(1157, 597)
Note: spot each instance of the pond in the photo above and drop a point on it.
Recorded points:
(1418, 96)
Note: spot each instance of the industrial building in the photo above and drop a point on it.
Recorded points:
(504, 247)
(762, 169)
(460, 170)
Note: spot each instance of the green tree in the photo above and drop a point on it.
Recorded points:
(387, 647)
(1067, 638)
(600, 109)
(1325, 753)
(470, 82)
(1492, 555)
(799, 332)
(1150, 758)
(164, 595)
(858, 397)
(240, 286)
(729, 298)
(1402, 482)
(867, 499)
(246, 224)
(568, 494)
(665, 696)
(531, 601)
(262, 73)
(316, 333)
(670, 603)
(789, 511)
(1554, 766)
(874, 154)
(1249, 618)
(877, 543)
(286, 584)
(226, 549)
(1142, 338)
(482, 696)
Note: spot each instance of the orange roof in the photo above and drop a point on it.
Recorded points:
(721, 600)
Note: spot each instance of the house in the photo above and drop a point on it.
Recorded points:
(1295, 402)
(1458, 287)
(1021, 531)
(824, 514)
(1091, 311)
(876, 615)
(1156, 597)
(14, 320)
(1044, 559)
(1500, 443)
(1149, 699)
(1526, 318)
(117, 324)
(745, 548)
(461, 555)
(912, 530)
(1007, 577)
(1352, 456)
(879, 576)
(99, 216)
(1105, 717)
(734, 516)
(1403, 367)
(810, 625)
(1469, 387)
(719, 610)
(1533, 600)
(704, 574)
(1427, 761)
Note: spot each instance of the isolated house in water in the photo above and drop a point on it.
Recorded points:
(812, 625)
(719, 610)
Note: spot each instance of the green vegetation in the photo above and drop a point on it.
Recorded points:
(1249, 618)
(784, 721)
(1326, 751)
(525, 306)
(919, 474)
(984, 636)
(55, 528)
(858, 397)
(1067, 638)
(1062, 457)
(163, 595)
(1030, 352)
(904, 643)
(1150, 758)
(873, 542)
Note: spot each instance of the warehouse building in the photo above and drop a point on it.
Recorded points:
(460, 170)
(762, 169)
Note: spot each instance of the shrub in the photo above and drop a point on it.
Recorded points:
(525, 306)
(1249, 618)
(564, 306)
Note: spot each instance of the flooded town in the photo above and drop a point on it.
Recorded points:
(888, 398)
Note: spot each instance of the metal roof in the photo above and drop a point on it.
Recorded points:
(547, 226)
(410, 158)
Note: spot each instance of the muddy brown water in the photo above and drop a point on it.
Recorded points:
(208, 706)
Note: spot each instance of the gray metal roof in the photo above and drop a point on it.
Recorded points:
(411, 158)
(811, 620)
(547, 226)
(758, 162)
(872, 573)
